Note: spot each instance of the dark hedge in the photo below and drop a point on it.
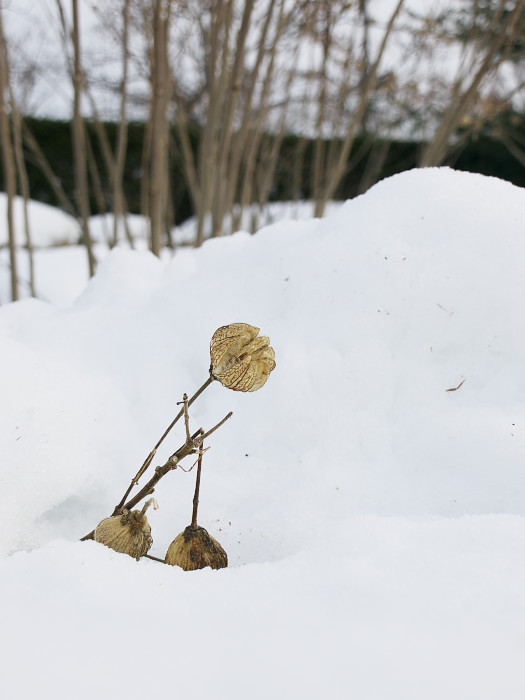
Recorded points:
(484, 154)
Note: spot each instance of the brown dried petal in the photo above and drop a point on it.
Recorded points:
(240, 377)
(264, 366)
(227, 343)
(256, 346)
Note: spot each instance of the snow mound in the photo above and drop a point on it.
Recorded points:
(369, 496)
(48, 226)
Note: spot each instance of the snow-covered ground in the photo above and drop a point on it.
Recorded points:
(47, 225)
(61, 269)
(374, 520)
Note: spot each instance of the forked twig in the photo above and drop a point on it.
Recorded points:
(192, 445)
(149, 458)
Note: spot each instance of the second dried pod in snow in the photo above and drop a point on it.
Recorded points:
(195, 549)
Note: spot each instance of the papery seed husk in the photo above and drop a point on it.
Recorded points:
(240, 376)
(129, 533)
(195, 549)
(264, 366)
(239, 359)
(256, 346)
(227, 342)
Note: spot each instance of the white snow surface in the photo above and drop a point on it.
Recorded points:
(47, 225)
(60, 275)
(374, 521)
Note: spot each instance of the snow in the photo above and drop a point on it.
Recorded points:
(374, 521)
(61, 269)
(48, 226)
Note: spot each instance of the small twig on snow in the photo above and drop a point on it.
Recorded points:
(455, 388)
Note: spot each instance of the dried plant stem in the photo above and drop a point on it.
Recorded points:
(197, 489)
(147, 505)
(150, 556)
(149, 458)
(193, 445)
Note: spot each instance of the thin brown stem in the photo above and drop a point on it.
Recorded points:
(149, 458)
(191, 446)
(150, 556)
(147, 505)
(197, 489)
(186, 416)
(230, 414)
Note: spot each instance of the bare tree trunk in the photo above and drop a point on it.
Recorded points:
(263, 153)
(231, 133)
(217, 81)
(145, 170)
(319, 163)
(107, 157)
(267, 172)
(97, 189)
(245, 146)
(298, 164)
(79, 145)
(230, 102)
(188, 158)
(8, 160)
(24, 188)
(374, 165)
(338, 170)
(122, 137)
(463, 95)
(159, 181)
(365, 53)
(48, 172)
(513, 148)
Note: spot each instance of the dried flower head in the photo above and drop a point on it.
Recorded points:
(195, 549)
(241, 359)
(129, 533)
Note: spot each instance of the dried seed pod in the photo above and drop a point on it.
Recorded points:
(129, 533)
(241, 359)
(194, 549)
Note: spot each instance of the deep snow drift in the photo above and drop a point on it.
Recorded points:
(374, 520)
(61, 268)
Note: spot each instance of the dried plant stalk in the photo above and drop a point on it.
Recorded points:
(195, 548)
(241, 360)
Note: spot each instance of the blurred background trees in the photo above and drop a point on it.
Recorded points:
(211, 109)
